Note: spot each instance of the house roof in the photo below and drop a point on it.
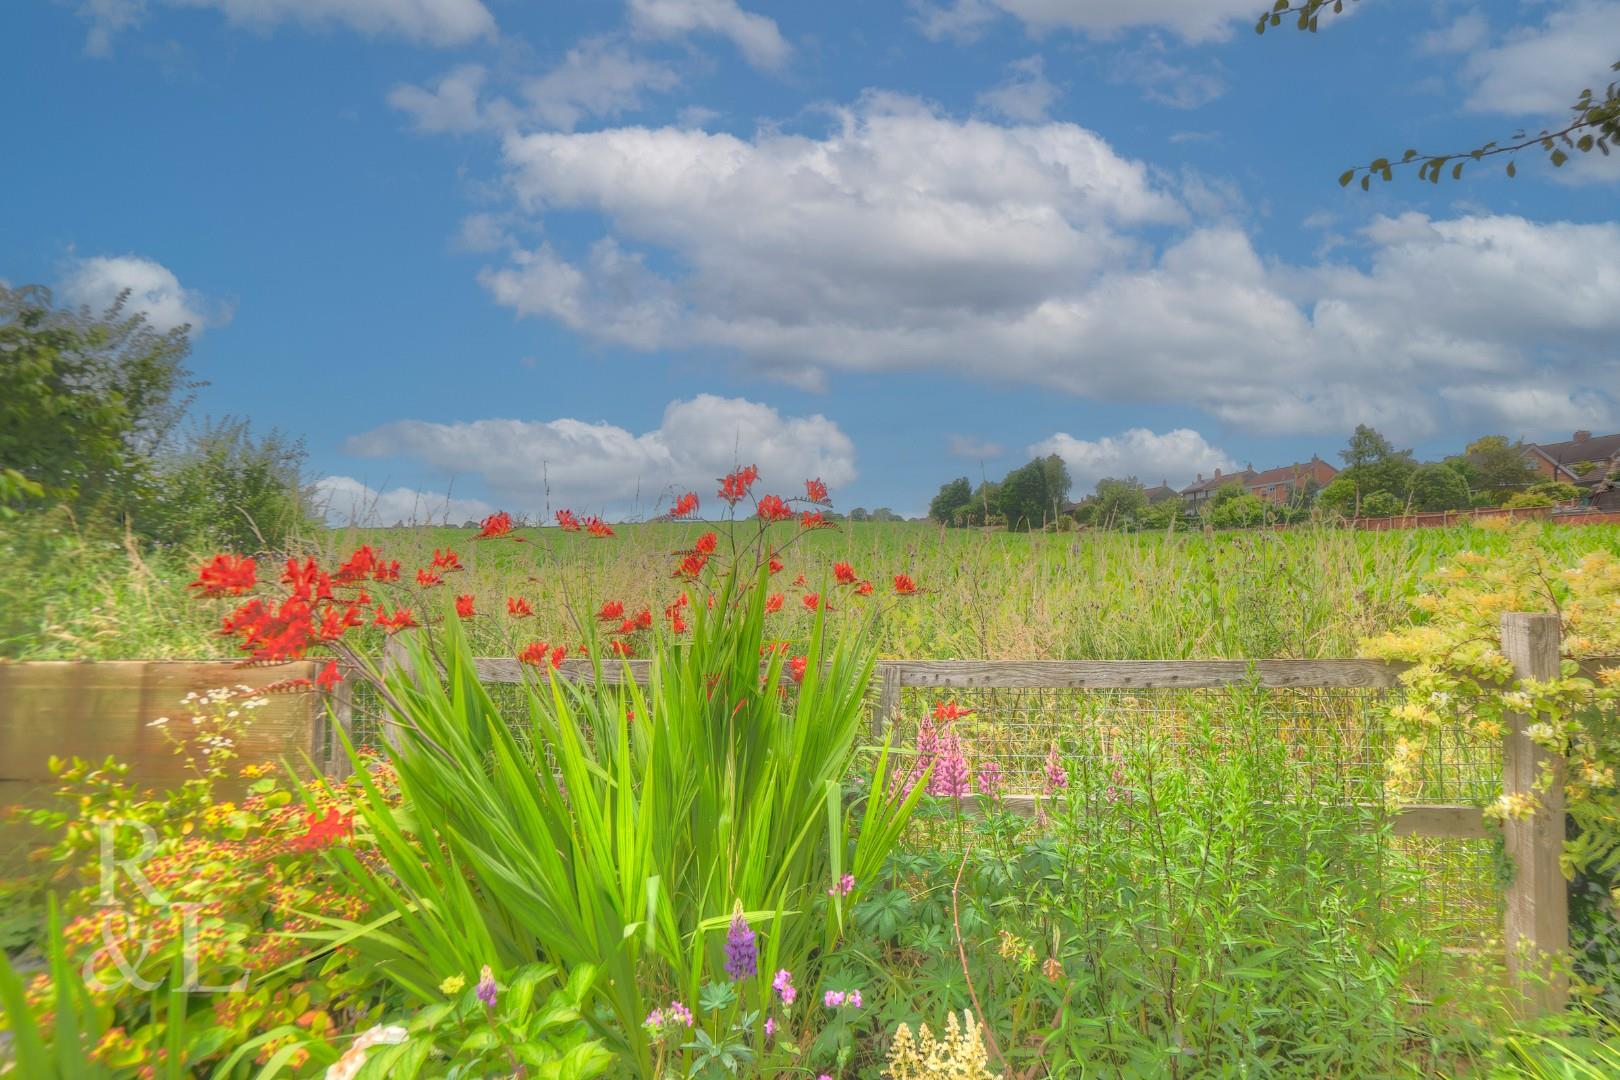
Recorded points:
(1284, 474)
(1210, 483)
(1160, 492)
(1573, 451)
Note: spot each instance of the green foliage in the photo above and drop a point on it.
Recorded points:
(231, 491)
(1438, 486)
(1118, 503)
(16, 488)
(1242, 511)
(1382, 504)
(86, 399)
(1034, 494)
(1164, 514)
(954, 497)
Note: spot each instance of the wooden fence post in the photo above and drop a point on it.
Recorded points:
(395, 658)
(1537, 917)
(341, 719)
(888, 699)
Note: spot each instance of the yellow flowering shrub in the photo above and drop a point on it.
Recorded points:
(958, 1055)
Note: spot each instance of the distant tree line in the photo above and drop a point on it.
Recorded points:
(1377, 481)
(92, 422)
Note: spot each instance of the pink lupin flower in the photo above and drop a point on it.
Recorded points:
(950, 776)
(1057, 777)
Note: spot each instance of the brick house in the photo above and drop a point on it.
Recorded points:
(1197, 493)
(1583, 460)
(1159, 492)
(1278, 486)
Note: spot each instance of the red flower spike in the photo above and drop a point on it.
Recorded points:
(620, 647)
(598, 528)
(843, 573)
(797, 666)
(685, 506)
(947, 711)
(301, 578)
(903, 585)
(518, 608)
(812, 600)
(495, 527)
(464, 606)
(706, 544)
(807, 520)
(627, 627)
(776, 565)
(692, 565)
(772, 508)
(815, 491)
(558, 655)
(864, 589)
(773, 603)
(798, 582)
(644, 619)
(611, 610)
(567, 521)
(446, 560)
(359, 566)
(734, 487)
(386, 571)
(329, 677)
(226, 575)
(427, 579)
(539, 654)
(401, 619)
(323, 832)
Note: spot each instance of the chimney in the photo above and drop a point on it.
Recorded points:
(1217, 474)
(1582, 436)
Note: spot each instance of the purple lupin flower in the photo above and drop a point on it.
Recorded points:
(990, 779)
(742, 955)
(950, 777)
(1057, 777)
(842, 887)
(927, 751)
(486, 987)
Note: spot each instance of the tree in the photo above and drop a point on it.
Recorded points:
(1366, 447)
(1495, 468)
(1163, 514)
(1594, 123)
(86, 400)
(1372, 466)
(1057, 483)
(1381, 504)
(953, 499)
(1026, 499)
(858, 514)
(231, 490)
(1438, 486)
(1118, 502)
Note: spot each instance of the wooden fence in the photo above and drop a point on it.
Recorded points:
(1536, 919)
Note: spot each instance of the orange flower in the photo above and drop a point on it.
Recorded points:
(539, 654)
(496, 526)
(446, 560)
(227, 575)
(843, 573)
(812, 600)
(903, 585)
(329, 676)
(567, 521)
(611, 610)
(772, 508)
(773, 603)
(815, 491)
(706, 544)
(518, 608)
(734, 487)
(464, 605)
(797, 666)
(864, 589)
(427, 579)
(685, 506)
(598, 528)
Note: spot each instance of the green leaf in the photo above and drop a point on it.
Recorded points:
(1346, 176)
(1512, 170)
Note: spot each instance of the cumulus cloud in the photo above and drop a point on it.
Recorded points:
(343, 500)
(1174, 456)
(974, 448)
(757, 37)
(153, 290)
(428, 22)
(1190, 20)
(1539, 70)
(1026, 94)
(902, 239)
(603, 466)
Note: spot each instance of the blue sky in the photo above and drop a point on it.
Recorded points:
(585, 253)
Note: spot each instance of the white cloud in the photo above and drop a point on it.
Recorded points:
(905, 240)
(1191, 20)
(343, 500)
(153, 290)
(451, 105)
(1026, 94)
(974, 448)
(1179, 86)
(1540, 70)
(602, 466)
(756, 36)
(1175, 456)
(429, 22)
(1463, 34)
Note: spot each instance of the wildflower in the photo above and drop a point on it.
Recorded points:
(539, 654)
(446, 560)
(323, 831)
(386, 571)
(843, 886)
(598, 528)
(401, 619)
(644, 619)
(843, 573)
(1052, 969)
(783, 985)
(815, 491)
(619, 647)
(691, 564)
(685, 506)
(742, 956)
(770, 1027)
(1057, 778)
(611, 610)
(798, 582)
(734, 487)
(947, 711)
(776, 565)
(864, 589)
(452, 985)
(464, 606)
(226, 575)
(854, 999)
(903, 585)
(358, 566)
(797, 666)
(990, 779)
(833, 999)
(301, 579)
(567, 521)
(811, 601)
(772, 508)
(950, 777)
(655, 1019)
(428, 579)
(706, 544)
(518, 608)
(486, 987)
(773, 603)
(329, 676)
(495, 527)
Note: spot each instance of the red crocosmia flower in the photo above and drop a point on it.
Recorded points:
(401, 619)
(227, 575)
(798, 582)
(324, 831)
(598, 528)
(774, 646)
(864, 589)
(329, 676)
(812, 600)
(323, 586)
(706, 544)
(797, 666)
(692, 565)
(334, 624)
(734, 488)
(677, 624)
(611, 610)
(360, 564)
(464, 606)
(807, 520)
(446, 560)
(495, 527)
(772, 508)
(627, 627)
(685, 506)
(620, 647)
(539, 654)
(904, 585)
(428, 579)
(843, 573)
(815, 491)
(567, 521)
(773, 602)
(644, 619)
(947, 711)
(518, 608)
(301, 578)
(386, 571)
(776, 565)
